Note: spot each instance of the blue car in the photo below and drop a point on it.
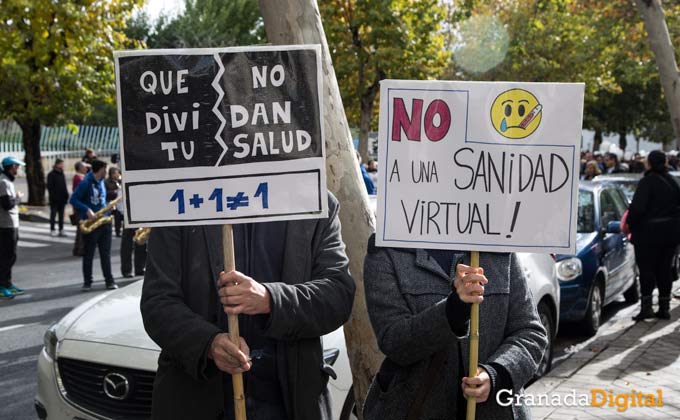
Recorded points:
(604, 265)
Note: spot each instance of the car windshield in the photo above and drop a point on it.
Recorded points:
(586, 212)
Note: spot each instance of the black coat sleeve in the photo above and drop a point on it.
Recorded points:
(321, 305)
(51, 183)
(168, 320)
(8, 202)
(638, 207)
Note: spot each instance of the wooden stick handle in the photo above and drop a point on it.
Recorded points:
(236, 379)
(474, 342)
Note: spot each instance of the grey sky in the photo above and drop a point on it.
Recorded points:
(155, 7)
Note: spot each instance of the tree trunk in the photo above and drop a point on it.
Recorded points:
(35, 175)
(597, 140)
(660, 43)
(299, 22)
(365, 124)
(623, 141)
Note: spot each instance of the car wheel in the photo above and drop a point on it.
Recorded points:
(591, 323)
(632, 295)
(349, 409)
(546, 317)
(676, 264)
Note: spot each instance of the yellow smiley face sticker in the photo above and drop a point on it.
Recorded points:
(516, 113)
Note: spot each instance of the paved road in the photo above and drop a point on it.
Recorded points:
(52, 278)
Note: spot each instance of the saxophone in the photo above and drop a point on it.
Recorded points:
(141, 236)
(87, 226)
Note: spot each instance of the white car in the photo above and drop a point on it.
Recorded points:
(99, 363)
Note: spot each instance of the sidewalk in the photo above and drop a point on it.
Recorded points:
(639, 357)
(39, 214)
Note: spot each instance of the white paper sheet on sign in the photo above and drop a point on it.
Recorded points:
(479, 166)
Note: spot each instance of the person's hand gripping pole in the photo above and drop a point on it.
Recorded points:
(469, 284)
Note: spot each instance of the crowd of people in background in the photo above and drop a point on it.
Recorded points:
(607, 163)
(94, 185)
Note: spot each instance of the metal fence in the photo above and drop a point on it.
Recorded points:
(60, 142)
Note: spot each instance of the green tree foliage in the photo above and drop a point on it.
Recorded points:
(202, 24)
(56, 61)
(371, 40)
(139, 27)
(599, 42)
(205, 24)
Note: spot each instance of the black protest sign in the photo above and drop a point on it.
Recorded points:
(210, 136)
(171, 116)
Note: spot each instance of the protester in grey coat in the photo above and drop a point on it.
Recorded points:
(419, 318)
(181, 310)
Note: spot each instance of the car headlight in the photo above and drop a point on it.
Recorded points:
(569, 269)
(50, 341)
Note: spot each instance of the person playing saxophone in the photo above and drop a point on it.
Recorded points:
(88, 198)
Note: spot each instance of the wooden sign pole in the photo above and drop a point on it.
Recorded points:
(236, 379)
(474, 342)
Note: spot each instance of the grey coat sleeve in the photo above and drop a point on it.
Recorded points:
(176, 329)
(321, 305)
(525, 337)
(403, 336)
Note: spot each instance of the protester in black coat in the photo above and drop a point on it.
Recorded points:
(56, 186)
(182, 313)
(653, 220)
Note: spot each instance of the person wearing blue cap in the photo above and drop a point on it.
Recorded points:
(9, 226)
(88, 199)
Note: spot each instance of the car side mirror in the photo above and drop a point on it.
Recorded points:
(614, 227)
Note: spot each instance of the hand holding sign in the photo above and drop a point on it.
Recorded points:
(240, 294)
(227, 356)
(477, 387)
(469, 283)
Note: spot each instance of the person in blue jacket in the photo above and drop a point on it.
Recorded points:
(88, 198)
(368, 182)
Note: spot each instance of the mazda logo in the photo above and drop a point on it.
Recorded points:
(116, 386)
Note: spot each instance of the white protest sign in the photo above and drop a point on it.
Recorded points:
(479, 166)
(221, 135)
